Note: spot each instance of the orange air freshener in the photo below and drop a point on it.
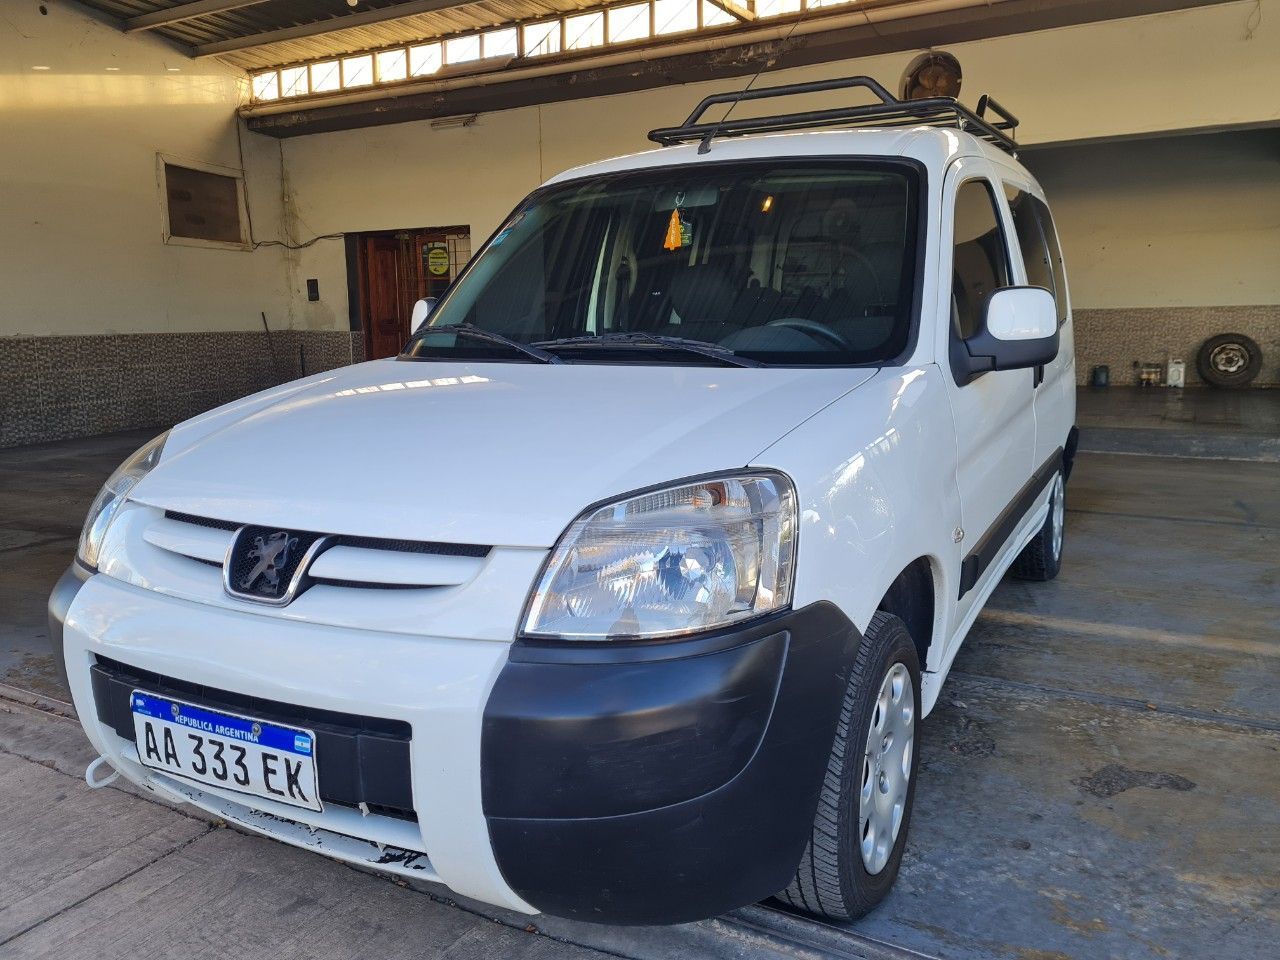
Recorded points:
(674, 239)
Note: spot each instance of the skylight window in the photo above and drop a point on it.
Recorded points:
(629, 21)
(674, 16)
(713, 16)
(585, 30)
(392, 65)
(500, 43)
(266, 86)
(357, 71)
(293, 82)
(541, 39)
(326, 76)
(462, 49)
(425, 60)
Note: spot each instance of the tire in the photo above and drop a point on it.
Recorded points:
(835, 879)
(1041, 559)
(1229, 360)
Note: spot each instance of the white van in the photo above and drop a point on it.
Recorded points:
(620, 594)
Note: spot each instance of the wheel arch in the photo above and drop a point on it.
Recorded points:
(913, 598)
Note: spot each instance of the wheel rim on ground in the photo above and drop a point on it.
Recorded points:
(1058, 510)
(1229, 358)
(886, 768)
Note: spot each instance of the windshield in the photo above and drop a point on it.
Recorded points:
(796, 264)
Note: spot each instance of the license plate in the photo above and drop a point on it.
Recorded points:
(225, 750)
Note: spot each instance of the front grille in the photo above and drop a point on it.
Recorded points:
(414, 546)
(344, 540)
(358, 759)
(201, 521)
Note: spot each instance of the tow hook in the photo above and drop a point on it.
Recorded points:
(91, 774)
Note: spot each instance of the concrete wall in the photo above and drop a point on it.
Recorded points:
(1169, 221)
(81, 245)
(80, 222)
(1194, 219)
(1169, 241)
(81, 211)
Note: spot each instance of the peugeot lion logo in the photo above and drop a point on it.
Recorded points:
(269, 556)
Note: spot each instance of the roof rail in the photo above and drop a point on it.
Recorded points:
(889, 112)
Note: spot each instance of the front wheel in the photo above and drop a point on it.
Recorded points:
(860, 829)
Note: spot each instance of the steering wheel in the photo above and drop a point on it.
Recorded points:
(814, 328)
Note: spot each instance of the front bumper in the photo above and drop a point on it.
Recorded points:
(664, 783)
(437, 686)
(654, 783)
(64, 592)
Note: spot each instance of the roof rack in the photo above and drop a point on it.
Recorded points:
(889, 112)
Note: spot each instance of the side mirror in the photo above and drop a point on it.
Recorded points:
(1019, 329)
(421, 310)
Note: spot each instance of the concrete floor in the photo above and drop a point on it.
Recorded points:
(1198, 422)
(1100, 778)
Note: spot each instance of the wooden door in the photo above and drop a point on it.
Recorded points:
(386, 320)
(396, 268)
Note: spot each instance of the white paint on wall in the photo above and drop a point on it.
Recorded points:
(1175, 71)
(1168, 221)
(81, 247)
(81, 238)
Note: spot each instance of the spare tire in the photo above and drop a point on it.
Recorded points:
(1229, 360)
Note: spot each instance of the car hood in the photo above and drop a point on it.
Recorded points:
(484, 453)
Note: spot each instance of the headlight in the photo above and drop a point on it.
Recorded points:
(113, 493)
(691, 557)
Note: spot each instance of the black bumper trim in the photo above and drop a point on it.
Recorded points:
(670, 790)
(358, 759)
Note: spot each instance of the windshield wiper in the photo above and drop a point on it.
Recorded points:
(492, 336)
(700, 347)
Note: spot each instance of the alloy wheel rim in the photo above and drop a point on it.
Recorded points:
(886, 768)
(1059, 512)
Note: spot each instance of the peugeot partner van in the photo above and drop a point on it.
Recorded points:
(622, 593)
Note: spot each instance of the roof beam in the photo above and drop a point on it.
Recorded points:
(186, 11)
(362, 19)
(734, 9)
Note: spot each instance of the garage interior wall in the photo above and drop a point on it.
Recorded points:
(105, 327)
(1169, 240)
(1194, 218)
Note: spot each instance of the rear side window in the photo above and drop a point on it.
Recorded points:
(1035, 252)
(980, 262)
(1055, 258)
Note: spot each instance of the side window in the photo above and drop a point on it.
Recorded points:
(980, 262)
(1035, 252)
(1055, 257)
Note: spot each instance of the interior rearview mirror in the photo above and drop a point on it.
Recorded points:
(421, 310)
(1019, 329)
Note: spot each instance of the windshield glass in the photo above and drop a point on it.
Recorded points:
(795, 264)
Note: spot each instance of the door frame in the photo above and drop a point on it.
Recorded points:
(358, 273)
